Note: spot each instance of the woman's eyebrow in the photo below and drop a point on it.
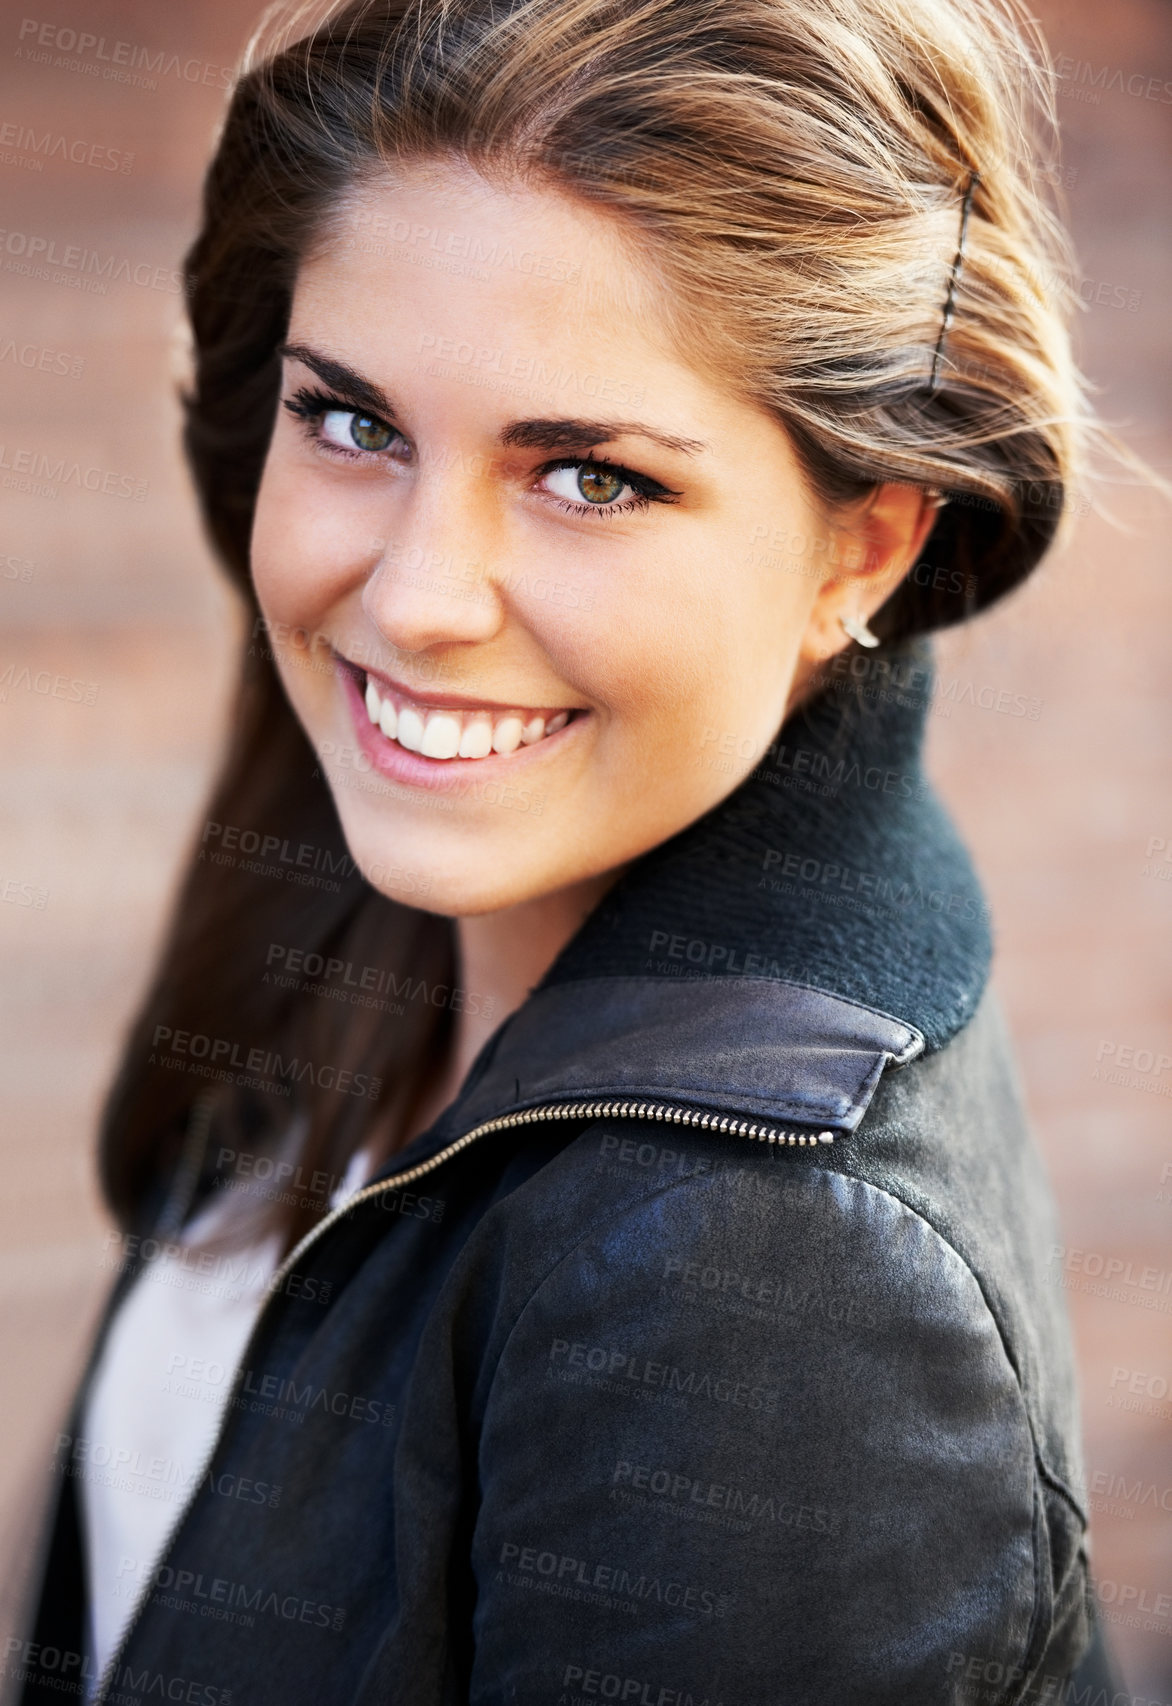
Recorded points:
(349, 383)
(582, 435)
(563, 434)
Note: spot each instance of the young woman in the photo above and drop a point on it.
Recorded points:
(579, 1238)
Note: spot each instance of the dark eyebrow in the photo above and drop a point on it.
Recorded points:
(582, 435)
(521, 435)
(345, 380)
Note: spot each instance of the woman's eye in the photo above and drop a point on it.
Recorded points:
(590, 483)
(348, 430)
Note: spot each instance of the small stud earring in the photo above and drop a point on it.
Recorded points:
(856, 629)
(936, 499)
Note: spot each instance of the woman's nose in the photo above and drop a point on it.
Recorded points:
(433, 582)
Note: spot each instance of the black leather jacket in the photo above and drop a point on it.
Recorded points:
(704, 1351)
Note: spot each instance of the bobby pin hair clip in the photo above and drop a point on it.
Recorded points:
(954, 276)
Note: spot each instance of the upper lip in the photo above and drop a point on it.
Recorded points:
(446, 701)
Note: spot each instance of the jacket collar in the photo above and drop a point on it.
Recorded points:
(820, 923)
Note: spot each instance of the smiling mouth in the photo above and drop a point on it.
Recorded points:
(454, 732)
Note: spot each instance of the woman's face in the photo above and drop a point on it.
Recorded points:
(537, 587)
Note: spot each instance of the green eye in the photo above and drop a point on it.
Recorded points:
(599, 485)
(369, 433)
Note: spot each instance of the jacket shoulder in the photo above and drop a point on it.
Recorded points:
(760, 1421)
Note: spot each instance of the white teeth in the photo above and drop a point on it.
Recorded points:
(476, 741)
(506, 735)
(449, 734)
(441, 735)
(410, 732)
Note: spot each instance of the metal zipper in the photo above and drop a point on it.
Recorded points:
(671, 1113)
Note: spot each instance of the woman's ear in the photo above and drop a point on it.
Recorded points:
(876, 543)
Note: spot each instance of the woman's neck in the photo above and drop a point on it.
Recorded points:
(501, 957)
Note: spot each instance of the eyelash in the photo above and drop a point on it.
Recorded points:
(309, 405)
(645, 490)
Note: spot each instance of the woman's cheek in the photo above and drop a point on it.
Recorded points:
(278, 545)
(624, 631)
(562, 615)
(311, 536)
(294, 595)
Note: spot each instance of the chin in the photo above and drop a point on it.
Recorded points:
(451, 882)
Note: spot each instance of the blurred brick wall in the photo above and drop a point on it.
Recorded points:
(108, 599)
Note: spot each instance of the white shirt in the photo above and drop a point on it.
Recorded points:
(154, 1403)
